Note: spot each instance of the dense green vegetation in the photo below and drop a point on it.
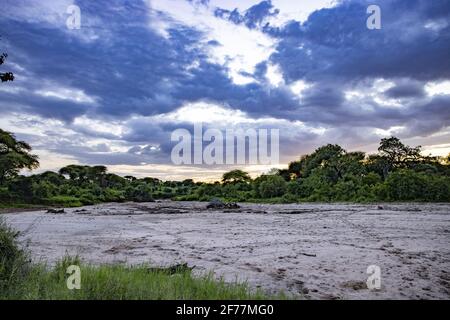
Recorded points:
(396, 173)
(22, 279)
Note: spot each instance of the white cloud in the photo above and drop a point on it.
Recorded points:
(113, 128)
(375, 91)
(436, 25)
(297, 10)
(289, 9)
(437, 150)
(75, 95)
(203, 112)
(222, 117)
(240, 49)
(274, 75)
(436, 88)
(299, 86)
(395, 130)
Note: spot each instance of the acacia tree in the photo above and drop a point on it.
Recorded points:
(236, 176)
(14, 156)
(394, 154)
(73, 171)
(398, 153)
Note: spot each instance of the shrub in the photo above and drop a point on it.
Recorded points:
(66, 201)
(5, 195)
(407, 185)
(43, 189)
(141, 193)
(294, 188)
(404, 185)
(13, 260)
(289, 198)
(371, 179)
(344, 190)
(272, 186)
(113, 195)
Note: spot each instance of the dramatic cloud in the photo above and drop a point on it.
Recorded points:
(112, 91)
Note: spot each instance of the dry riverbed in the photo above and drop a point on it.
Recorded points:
(317, 251)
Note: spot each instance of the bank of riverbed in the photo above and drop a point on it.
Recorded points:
(317, 251)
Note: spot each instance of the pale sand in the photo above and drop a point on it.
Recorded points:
(318, 251)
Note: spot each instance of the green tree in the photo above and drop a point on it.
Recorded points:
(96, 174)
(272, 186)
(52, 177)
(235, 176)
(393, 154)
(323, 157)
(76, 173)
(408, 185)
(188, 183)
(141, 192)
(295, 167)
(111, 180)
(14, 156)
(285, 174)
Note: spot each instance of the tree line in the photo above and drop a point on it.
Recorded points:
(397, 172)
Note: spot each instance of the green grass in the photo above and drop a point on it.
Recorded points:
(120, 282)
(65, 201)
(19, 206)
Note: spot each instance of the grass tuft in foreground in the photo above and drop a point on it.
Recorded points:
(118, 282)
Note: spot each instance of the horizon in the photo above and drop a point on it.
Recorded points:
(252, 173)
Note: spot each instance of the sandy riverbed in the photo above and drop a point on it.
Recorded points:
(318, 251)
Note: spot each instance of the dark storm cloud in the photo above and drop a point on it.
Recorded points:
(405, 90)
(335, 52)
(132, 69)
(323, 96)
(48, 107)
(335, 43)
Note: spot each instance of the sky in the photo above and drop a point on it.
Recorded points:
(113, 91)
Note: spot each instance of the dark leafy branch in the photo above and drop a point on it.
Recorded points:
(5, 76)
